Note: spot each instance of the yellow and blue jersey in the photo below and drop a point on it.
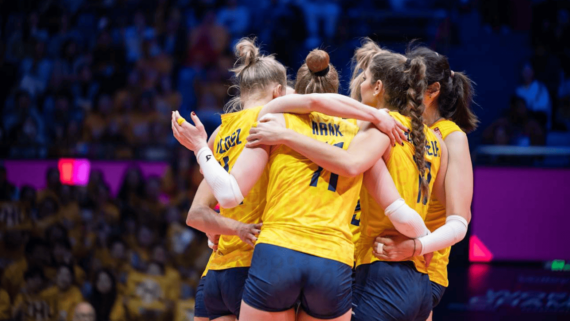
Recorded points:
(405, 174)
(355, 226)
(231, 139)
(436, 216)
(308, 208)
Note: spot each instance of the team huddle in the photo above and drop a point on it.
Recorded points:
(333, 207)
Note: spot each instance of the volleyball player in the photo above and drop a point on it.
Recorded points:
(447, 100)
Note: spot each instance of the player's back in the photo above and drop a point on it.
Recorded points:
(229, 143)
(436, 215)
(308, 208)
(405, 174)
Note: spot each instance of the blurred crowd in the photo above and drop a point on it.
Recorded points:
(131, 256)
(539, 110)
(79, 76)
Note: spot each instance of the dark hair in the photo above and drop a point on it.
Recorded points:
(404, 82)
(64, 243)
(124, 190)
(116, 239)
(33, 272)
(103, 302)
(32, 244)
(317, 74)
(456, 91)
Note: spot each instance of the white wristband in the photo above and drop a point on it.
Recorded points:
(223, 185)
(453, 231)
(405, 219)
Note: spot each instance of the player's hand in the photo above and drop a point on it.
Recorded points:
(391, 127)
(427, 258)
(192, 137)
(213, 240)
(248, 233)
(393, 246)
(267, 132)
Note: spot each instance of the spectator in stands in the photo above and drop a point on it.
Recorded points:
(85, 89)
(53, 185)
(65, 66)
(235, 18)
(105, 298)
(7, 189)
(36, 69)
(36, 254)
(535, 95)
(84, 312)
(132, 188)
(34, 301)
(135, 35)
(207, 42)
(63, 255)
(5, 306)
(23, 119)
(517, 128)
(317, 11)
(46, 220)
(67, 293)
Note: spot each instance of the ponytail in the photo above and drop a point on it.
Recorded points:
(253, 71)
(456, 89)
(417, 85)
(361, 61)
(317, 74)
(462, 115)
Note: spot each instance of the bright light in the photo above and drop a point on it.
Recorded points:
(74, 171)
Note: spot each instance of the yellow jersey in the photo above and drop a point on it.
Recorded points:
(231, 139)
(5, 313)
(406, 176)
(308, 208)
(38, 306)
(355, 226)
(66, 301)
(436, 216)
(355, 222)
(146, 292)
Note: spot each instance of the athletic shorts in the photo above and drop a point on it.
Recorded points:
(223, 291)
(199, 305)
(279, 277)
(437, 293)
(389, 291)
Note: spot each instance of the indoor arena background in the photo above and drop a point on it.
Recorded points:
(91, 175)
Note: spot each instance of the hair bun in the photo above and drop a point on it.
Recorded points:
(247, 51)
(317, 60)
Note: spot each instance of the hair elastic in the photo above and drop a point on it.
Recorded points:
(321, 73)
(408, 63)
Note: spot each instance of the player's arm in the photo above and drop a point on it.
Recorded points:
(380, 185)
(229, 189)
(458, 186)
(339, 106)
(202, 217)
(365, 149)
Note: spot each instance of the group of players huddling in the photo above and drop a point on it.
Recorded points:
(288, 172)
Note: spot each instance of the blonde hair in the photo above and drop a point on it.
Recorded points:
(360, 61)
(253, 72)
(317, 74)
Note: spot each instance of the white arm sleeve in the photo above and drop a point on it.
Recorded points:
(406, 220)
(453, 231)
(223, 185)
